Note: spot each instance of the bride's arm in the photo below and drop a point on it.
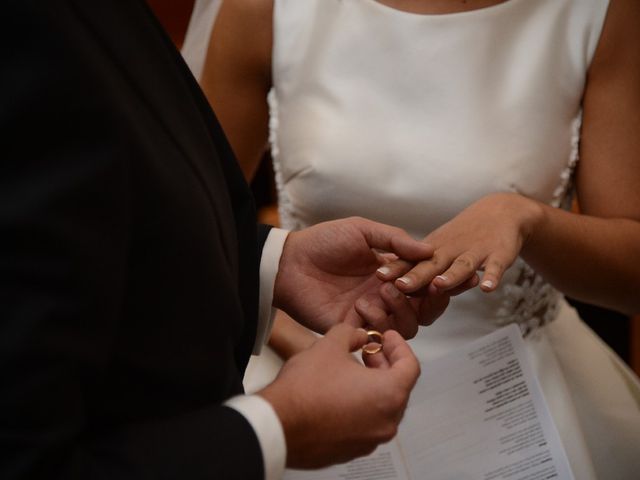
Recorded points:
(593, 256)
(600, 249)
(237, 77)
(288, 337)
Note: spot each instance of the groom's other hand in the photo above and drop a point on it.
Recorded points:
(333, 408)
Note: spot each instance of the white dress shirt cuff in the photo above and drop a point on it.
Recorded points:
(271, 253)
(266, 424)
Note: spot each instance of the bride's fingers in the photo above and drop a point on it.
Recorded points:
(463, 287)
(462, 268)
(391, 270)
(494, 268)
(423, 273)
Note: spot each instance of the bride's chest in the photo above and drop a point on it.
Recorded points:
(422, 167)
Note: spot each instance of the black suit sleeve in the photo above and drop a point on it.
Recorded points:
(65, 214)
(263, 233)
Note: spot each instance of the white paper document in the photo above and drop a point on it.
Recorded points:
(477, 413)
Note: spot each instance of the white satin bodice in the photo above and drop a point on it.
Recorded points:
(407, 119)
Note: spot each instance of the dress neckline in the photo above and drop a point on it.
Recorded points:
(438, 16)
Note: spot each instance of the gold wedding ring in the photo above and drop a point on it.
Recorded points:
(374, 337)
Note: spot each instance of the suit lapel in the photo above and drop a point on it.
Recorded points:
(130, 32)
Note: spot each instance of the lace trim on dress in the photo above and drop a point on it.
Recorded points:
(285, 210)
(530, 301)
(563, 194)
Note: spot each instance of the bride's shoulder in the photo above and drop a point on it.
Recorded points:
(247, 25)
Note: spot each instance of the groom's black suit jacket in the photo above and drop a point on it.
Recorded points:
(128, 255)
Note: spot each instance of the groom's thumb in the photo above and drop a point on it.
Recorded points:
(395, 240)
(347, 337)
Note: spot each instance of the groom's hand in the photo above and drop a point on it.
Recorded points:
(326, 268)
(333, 408)
(403, 311)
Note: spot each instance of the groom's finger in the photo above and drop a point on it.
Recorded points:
(373, 312)
(375, 360)
(402, 312)
(432, 305)
(347, 337)
(384, 257)
(401, 358)
(395, 240)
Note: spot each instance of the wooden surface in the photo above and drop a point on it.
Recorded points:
(174, 16)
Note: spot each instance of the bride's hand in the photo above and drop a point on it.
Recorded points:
(488, 236)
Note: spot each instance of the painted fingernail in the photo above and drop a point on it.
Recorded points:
(405, 280)
(384, 271)
(442, 278)
(487, 284)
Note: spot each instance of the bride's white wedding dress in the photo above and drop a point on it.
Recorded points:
(407, 119)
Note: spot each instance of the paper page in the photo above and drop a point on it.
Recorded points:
(385, 463)
(479, 414)
(476, 413)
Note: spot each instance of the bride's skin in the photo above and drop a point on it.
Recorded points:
(593, 256)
